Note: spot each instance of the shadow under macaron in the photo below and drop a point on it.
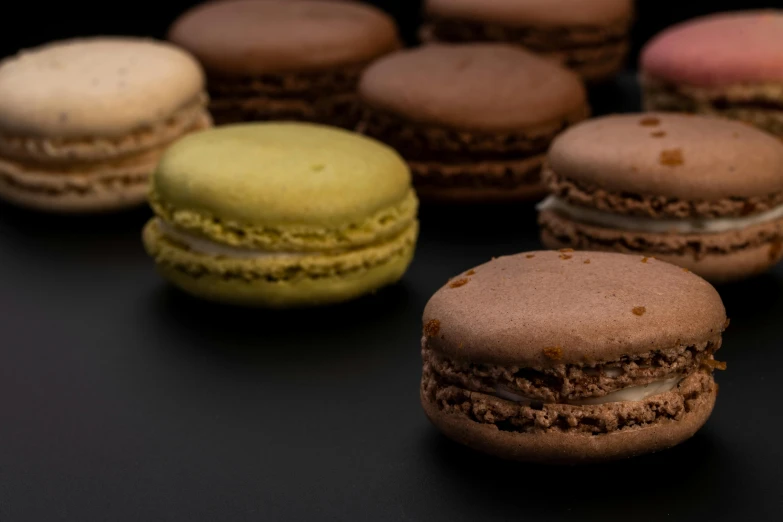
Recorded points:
(75, 235)
(311, 337)
(679, 481)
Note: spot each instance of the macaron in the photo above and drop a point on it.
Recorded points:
(701, 192)
(474, 121)
(588, 37)
(83, 122)
(283, 60)
(727, 64)
(571, 357)
(281, 215)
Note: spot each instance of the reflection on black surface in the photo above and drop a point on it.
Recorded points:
(683, 479)
(73, 236)
(282, 336)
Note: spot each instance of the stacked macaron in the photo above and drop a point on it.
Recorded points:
(283, 60)
(281, 215)
(728, 64)
(571, 357)
(705, 193)
(473, 121)
(590, 37)
(84, 122)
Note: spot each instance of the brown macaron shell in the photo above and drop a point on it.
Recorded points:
(473, 110)
(563, 327)
(674, 167)
(544, 13)
(560, 447)
(668, 156)
(276, 59)
(588, 37)
(513, 307)
(241, 38)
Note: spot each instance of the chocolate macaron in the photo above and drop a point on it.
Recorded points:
(473, 121)
(704, 193)
(284, 60)
(727, 64)
(590, 37)
(571, 357)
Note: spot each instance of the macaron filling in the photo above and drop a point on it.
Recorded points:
(207, 247)
(631, 393)
(693, 225)
(659, 386)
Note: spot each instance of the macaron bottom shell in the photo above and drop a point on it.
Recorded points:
(565, 447)
(758, 248)
(65, 193)
(315, 280)
(92, 183)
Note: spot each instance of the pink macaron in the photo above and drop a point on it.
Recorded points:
(727, 64)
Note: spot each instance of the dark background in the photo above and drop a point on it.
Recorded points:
(123, 400)
(31, 23)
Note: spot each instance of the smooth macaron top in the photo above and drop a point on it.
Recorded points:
(545, 13)
(719, 50)
(249, 37)
(542, 309)
(489, 87)
(688, 157)
(281, 174)
(104, 86)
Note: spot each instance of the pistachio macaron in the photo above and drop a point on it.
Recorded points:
(83, 122)
(571, 357)
(281, 215)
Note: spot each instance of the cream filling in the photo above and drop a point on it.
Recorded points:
(207, 247)
(630, 394)
(647, 224)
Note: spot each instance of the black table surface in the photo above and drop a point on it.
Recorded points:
(122, 399)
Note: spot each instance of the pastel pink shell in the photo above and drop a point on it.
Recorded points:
(719, 50)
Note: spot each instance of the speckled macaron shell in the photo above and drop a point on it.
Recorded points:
(725, 49)
(488, 87)
(544, 13)
(546, 308)
(252, 37)
(670, 155)
(95, 87)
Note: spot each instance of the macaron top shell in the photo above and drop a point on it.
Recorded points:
(670, 155)
(278, 174)
(247, 37)
(489, 87)
(553, 13)
(719, 50)
(106, 86)
(543, 309)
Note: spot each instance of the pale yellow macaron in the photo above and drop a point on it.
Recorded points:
(281, 215)
(83, 122)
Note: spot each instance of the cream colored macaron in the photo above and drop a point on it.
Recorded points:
(83, 122)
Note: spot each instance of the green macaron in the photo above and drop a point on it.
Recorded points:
(281, 215)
